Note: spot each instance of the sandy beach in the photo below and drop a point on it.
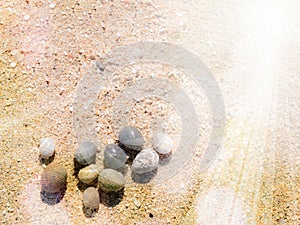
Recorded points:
(252, 52)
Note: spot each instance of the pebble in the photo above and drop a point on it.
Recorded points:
(13, 64)
(111, 180)
(10, 210)
(88, 174)
(91, 201)
(145, 161)
(86, 153)
(47, 147)
(162, 143)
(137, 203)
(131, 137)
(52, 5)
(26, 17)
(114, 157)
(54, 178)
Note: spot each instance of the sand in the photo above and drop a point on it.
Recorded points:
(48, 47)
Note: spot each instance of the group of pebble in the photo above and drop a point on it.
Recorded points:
(110, 179)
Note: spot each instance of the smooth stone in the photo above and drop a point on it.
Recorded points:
(47, 147)
(91, 201)
(54, 178)
(145, 161)
(162, 143)
(88, 174)
(114, 157)
(131, 137)
(86, 153)
(111, 180)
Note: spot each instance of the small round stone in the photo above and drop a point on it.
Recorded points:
(54, 178)
(114, 157)
(131, 137)
(47, 147)
(52, 5)
(162, 143)
(88, 174)
(145, 161)
(86, 153)
(26, 17)
(91, 201)
(111, 180)
(13, 64)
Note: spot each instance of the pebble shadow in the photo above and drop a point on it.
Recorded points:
(82, 186)
(111, 199)
(52, 198)
(165, 159)
(130, 153)
(45, 161)
(143, 178)
(77, 167)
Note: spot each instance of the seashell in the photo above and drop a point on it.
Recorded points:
(131, 137)
(111, 180)
(88, 174)
(54, 178)
(86, 153)
(91, 201)
(145, 161)
(114, 157)
(47, 147)
(162, 143)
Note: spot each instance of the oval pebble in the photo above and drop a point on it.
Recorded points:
(88, 174)
(114, 157)
(111, 180)
(145, 161)
(86, 153)
(47, 147)
(162, 143)
(54, 178)
(91, 201)
(131, 137)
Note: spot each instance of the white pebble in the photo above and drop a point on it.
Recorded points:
(14, 52)
(47, 147)
(26, 17)
(52, 5)
(162, 143)
(145, 161)
(13, 64)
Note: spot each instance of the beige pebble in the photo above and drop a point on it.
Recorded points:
(52, 5)
(26, 17)
(13, 64)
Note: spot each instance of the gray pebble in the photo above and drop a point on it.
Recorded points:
(86, 153)
(131, 137)
(114, 157)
